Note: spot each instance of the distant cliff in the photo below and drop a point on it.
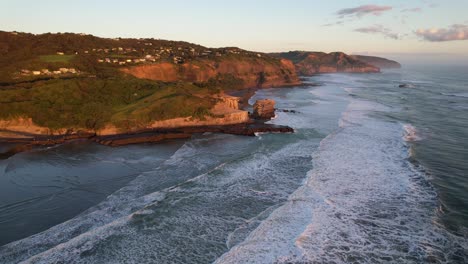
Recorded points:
(309, 63)
(378, 62)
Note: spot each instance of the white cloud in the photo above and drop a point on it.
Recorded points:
(364, 10)
(379, 29)
(454, 32)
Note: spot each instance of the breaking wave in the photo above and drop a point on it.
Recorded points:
(411, 133)
(362, 202)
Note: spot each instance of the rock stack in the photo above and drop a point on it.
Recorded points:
(264, 109)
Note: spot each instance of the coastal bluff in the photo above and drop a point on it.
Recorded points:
(249, 72)
(382, 63)
(310, 63)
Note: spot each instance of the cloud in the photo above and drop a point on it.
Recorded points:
(454, 32)
(364, 10)
(415, 10)
(334, 24)
(378, 29)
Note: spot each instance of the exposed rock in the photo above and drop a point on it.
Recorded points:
(158, 135)
(287, 111)
(406, 85)
(264, 109)
(145, 136)
(258, 72)
(231, 102)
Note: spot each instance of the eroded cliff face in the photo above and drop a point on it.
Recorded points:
(23, 126)
(264, 109)
(254, 72)
(309, 63)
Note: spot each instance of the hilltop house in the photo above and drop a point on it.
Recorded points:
(178, 60)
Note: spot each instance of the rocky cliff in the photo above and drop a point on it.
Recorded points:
(264, 109)
(309, 63)
(378, 62)
(252, 72)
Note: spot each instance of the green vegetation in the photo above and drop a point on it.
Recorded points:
(56, 58)
(119, 56)
(227, 81)
(97, 93)
(92, 103)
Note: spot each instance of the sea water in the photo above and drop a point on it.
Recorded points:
(374, 173)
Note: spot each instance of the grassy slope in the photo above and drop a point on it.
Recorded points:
(92, 103)
(56, 58)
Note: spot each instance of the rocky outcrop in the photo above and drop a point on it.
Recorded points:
(264, 109)
(15, 146)
(382, 63)
(26, 126)
(157, 135)
(310, 63)
(231, 102)
(253, 72)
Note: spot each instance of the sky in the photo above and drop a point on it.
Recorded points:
(411, 29)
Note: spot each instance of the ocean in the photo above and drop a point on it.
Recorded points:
(374, 173)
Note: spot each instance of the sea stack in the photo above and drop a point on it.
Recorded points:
(264, 109)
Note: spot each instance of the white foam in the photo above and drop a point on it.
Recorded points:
(411, 133)
(363, 202)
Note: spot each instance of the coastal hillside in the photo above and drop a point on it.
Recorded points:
(309, 63)
(63, 83)
(67, 55)
(382, 63)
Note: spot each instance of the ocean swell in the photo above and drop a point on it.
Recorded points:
(363, 202)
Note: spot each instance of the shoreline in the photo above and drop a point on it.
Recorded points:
(139, 137)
